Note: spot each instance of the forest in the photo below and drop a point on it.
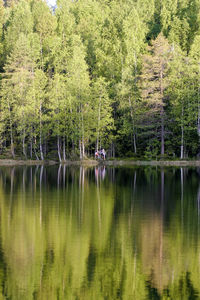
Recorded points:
(123, 75)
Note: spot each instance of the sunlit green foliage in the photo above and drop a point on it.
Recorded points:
(98, 57)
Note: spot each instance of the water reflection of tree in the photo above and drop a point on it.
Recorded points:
(65, 254)
(184, 289)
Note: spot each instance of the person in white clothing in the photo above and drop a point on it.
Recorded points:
(103, 152)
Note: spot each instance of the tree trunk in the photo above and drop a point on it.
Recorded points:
(12, 144)
(133, 126)
(182, 136)
(64, 151)
(58, 147)
(162, 116)
(83, 147)
(45, 147)
(31, 148)
(34, 149)
(83, 142)
(97, 144)
(182, 141)
(41, 151)
(23, 144)
(113, 150)
(162, 133)
(98, 125)
(41, 53)
(134, 143)
(80, 149)
(11, 134)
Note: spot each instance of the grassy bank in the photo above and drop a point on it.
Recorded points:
(20, 162)
(177, 163)
(13, 162)
(122, 162)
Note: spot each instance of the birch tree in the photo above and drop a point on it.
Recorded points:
(128, 89)
(15, 86)
(182, 92)
(79, 84)
(102, 113)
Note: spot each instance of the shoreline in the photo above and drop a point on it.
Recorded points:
(90, 163)
(159, 163)
(20, 162)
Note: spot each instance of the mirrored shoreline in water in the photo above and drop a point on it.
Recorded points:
(99, 233)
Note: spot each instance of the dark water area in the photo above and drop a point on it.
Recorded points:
(99, 233)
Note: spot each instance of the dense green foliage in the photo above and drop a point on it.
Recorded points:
(120, 75)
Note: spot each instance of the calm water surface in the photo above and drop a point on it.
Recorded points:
(99, 233)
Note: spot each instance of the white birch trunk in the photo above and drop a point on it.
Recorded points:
(34, 149)
(182, 136)
(133, 125)
(83, 139)
(98, 125)
(41, 151)
(23, 144)
(11, 134)
(64, 150)
(80, 149)
(31, 148)
(58, 148)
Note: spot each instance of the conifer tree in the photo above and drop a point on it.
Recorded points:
(155, 67)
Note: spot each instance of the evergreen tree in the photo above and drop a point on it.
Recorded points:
(155, 67)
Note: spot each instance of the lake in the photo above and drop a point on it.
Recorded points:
(99, 233)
